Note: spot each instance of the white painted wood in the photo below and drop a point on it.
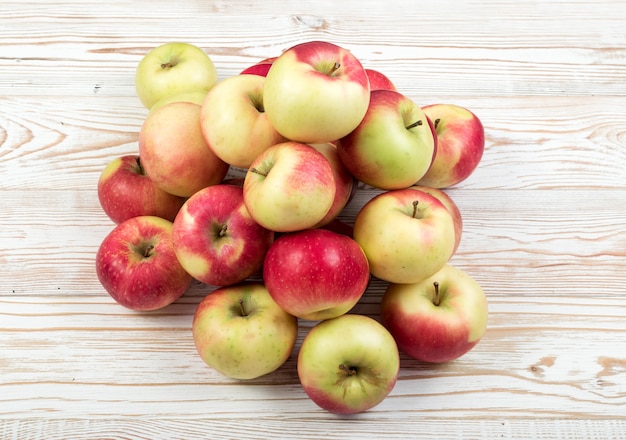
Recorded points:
(543, 220)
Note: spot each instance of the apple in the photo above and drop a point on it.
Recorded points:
(125, 191)
(393, 146)
(348, 364)
(407, 235)
(215, 238)
(233, 122)
(460, 145)
(438, 319)
(316, 92)
(345, 183)
(137, 266)
(261, 68)
(450, 204)
(172, 68)
(379, 81)
(242, 333)
(174, 152)
(316, 274)
(289, 187)
(195, 96)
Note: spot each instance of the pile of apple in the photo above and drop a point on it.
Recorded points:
(303, 129)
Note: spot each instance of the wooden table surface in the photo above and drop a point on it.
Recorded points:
(543, 215)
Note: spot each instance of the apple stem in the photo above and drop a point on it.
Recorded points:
(437, 122)
(336, 67)
(348, 370)
(148, 250)
(140, 171)
(436, 300)
(241, 308)
(415, 124)
(167, 65)
(415, 203)
(256, 171)
(223, 230)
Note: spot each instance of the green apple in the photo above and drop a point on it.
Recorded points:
(195, 96)
(316, 92)
(406, 234)
(348, 364)
(234, 123)
(438, 319)
(173, 68)
(393, 146)
(242, 333)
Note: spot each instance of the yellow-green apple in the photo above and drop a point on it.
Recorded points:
(172, 68)
(316, 274)
(379, 81)
(242, 333)
(460, 145)
(234, 123)
(316, 92)
(137, 266)
(438, 319)
(344, 181)
(348, 364)
(407, 235)
(174, 152)
(125, 191)
(261, 68)
(449, 203)
(195, 96)
(394, 144)
(215, 238)
(289, 187)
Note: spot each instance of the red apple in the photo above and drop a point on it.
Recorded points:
(316, 92)
(137, 266)
(460, 145)
(215, 238)
(407, 235)
(393, 146)
(125, 191)
(379, 81)
(174, 152)
(438, 319)
(316, 273)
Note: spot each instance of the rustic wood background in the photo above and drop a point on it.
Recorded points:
(543, 220)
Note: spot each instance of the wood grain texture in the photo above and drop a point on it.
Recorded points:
(543, 221)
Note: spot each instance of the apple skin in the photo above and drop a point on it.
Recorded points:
(452, 207)
(344, 181)
(432, 332)
(125, 191)
(348, 364)
(261, 68)
(215, 238)
(316, 92)
(379, 81)
(195, 96)
(172, 68)
(242, 333)
(460, 145)
(174, 152)
(407, 235)
(289, 187)
(233, 122)
(316, 274)
(137, 266)
(382, 151)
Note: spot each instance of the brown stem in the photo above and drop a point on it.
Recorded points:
(167, 65)
(348, 370)
(436, 300)
(256, 171)
(415, 203)
(223, 230)
(336, 67)
(148, 250)
(241, 308)
(437, 122)
(415, 124)
(140, 169)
